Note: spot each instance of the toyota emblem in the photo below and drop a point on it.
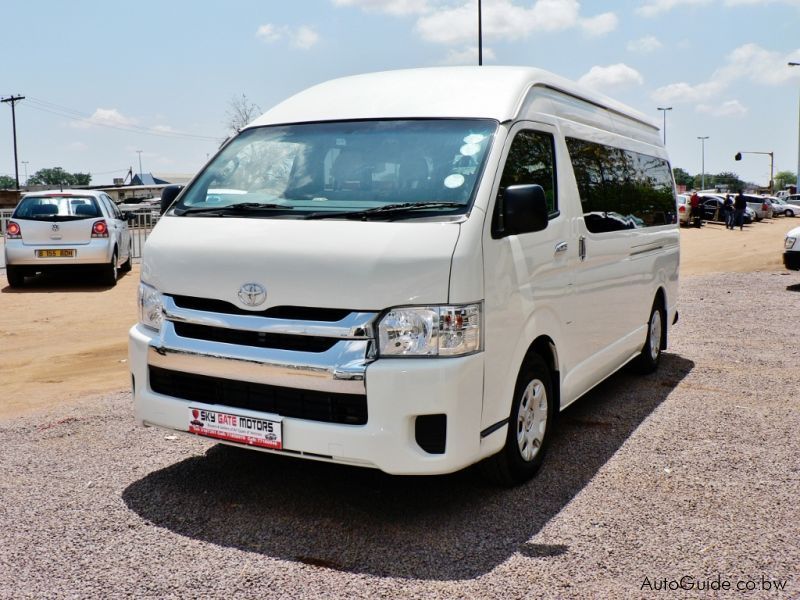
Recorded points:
(252, 294)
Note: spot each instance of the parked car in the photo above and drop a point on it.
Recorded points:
(761, 208)
(781, 207)
(791, 250)
(683, 209)
(712, 209)
(51, 231)
(139, 205)
(793, 199)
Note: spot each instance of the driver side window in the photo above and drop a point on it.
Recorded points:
(531, 160)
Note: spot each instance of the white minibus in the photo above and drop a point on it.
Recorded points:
(413, 271)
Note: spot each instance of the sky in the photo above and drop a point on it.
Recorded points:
(103, 80)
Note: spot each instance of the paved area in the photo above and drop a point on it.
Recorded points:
(689, 473)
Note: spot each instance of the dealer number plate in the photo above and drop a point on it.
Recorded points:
(55, 253)
(253, 431)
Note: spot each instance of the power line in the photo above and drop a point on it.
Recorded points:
(75, 115)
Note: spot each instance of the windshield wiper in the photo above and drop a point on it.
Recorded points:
(378, 211)
(238, 207)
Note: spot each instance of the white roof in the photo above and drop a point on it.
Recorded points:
(440, 92)
(69, 192)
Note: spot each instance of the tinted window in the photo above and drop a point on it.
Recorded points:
(621, 189)
(531, 160)
(57, 208)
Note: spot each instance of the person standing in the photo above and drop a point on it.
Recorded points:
(694, 212)
(739, 206)
(727, 211)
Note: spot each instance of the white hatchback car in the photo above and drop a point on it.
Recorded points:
(51, 231)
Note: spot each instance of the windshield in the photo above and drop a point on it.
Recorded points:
(57, 208)
(342, 168)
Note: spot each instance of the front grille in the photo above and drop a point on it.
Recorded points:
(292, 313)
(327, 407)
(278, 341)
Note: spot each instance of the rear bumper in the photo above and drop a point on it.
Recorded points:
(397, 392)
(791, 260)
(96, 252)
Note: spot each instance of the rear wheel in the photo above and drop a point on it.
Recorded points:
(128, 264)
(15, 276)
(110, 271)
(648, 359)
(529, 426)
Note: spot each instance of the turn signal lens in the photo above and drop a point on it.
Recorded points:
(13, 231)
(99, 229)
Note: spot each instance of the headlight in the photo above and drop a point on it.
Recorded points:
(430, 331)
(151, 308)
(789, 242)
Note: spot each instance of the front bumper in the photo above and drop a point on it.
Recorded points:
(791, 260)
(96, 252)
(397, 391)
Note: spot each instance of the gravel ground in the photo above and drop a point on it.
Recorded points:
(693, 471)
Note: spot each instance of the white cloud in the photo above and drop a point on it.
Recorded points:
(600, 24)
(392, 7)
(729, 108)
(611, 77)
(644, 45)
(467, 56)
(303, 37)
(105, 116)
(750, 62)
(761, 2)
(653, 8)
(507, 20)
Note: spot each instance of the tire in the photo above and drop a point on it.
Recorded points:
(788, 213)
(110, 271)
(15, 276)
(650, 356)
(530, 427)
(128, 264)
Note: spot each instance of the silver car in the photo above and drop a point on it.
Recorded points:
(51, 231)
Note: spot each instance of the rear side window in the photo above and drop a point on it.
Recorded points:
(56, 207)
(531, 160)
(621, 189)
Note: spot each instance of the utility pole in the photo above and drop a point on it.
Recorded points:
(13, 100)
(141, 176)
(703, 168)
(480, 35)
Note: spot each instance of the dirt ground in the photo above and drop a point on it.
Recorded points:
(62, 340)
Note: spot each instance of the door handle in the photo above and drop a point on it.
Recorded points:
(582, 247)
(561, 247)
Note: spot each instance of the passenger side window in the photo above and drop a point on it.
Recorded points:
(621, 189)
(531, 160)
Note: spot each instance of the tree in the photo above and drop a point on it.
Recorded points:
(682, 177)
(58, 176)
(240, 112)
(784, 178)
(7, 183)
(730, 179)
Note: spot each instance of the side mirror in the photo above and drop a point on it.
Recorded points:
(168, 195)
(524, 210)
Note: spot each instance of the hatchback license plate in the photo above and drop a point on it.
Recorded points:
(55, 253)
(252, 431)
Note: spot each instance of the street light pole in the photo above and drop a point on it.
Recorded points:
(703, 167)
(797, 181)
(738, 156)
(480, 35)
(664, 110)
(25, 165)
(141, 175)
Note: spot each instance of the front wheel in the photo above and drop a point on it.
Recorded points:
(530, 426)
(788, 213)
(648, 359)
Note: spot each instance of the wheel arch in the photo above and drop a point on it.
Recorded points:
(545, 347)
(661, 299)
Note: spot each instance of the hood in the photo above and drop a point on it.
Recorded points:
(358, 265)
